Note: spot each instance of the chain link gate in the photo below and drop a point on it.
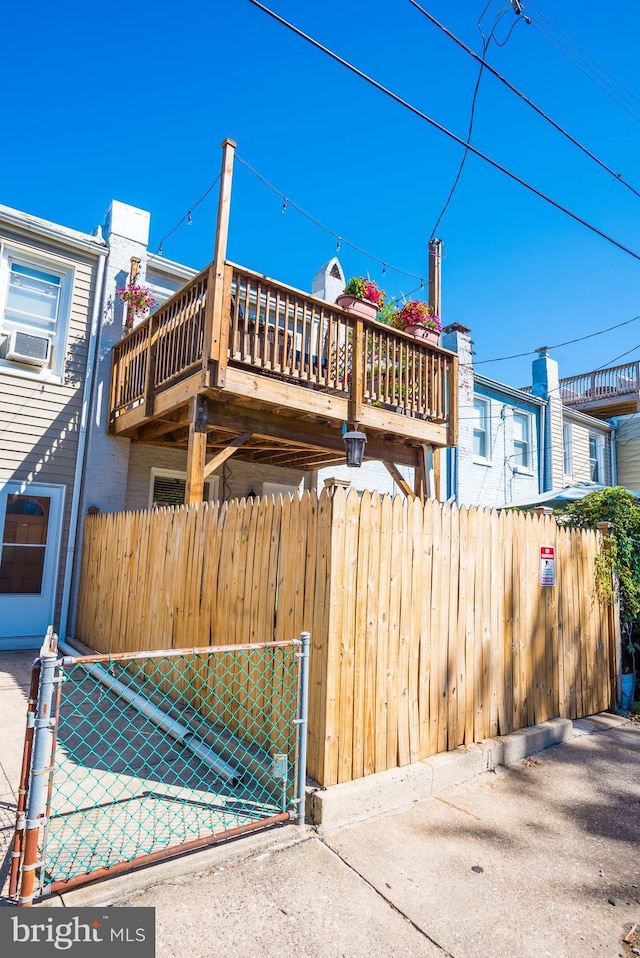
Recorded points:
(133, 757)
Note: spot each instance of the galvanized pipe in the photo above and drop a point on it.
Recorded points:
(40, 767)
(18, 838)
(177, 730)
(303, 724)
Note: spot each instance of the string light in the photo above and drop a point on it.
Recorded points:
(384, 269)
(284, 205)
(340, 240)
(187, 218)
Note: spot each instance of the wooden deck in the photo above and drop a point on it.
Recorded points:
(269, 373)
(605, 392)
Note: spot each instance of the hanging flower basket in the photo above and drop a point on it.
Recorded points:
(137, 299)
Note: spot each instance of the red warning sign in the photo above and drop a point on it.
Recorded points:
(547, 565)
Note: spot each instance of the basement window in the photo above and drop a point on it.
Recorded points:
(168, 488)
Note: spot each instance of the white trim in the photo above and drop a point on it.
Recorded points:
(59, 335)
(524, 468)
(43, 229)
(486, 428)
(567, 449)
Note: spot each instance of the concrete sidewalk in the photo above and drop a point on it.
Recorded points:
(539, 858)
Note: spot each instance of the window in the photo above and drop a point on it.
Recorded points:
(35, 295)
(522, 440)
(480, 428)
(24, 541)
(567, 450)
(168, 488)
(596, 471)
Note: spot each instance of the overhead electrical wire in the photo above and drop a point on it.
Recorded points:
(442, 129)
(576, 55)
(456, 179)
(484, 64)
(568, 342)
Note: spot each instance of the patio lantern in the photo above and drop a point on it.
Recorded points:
(354, 446)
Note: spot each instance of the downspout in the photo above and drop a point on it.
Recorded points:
(614, 453)
(541, 451)
(82, 444)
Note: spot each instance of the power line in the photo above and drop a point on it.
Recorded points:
(442, 129)
(485, 46)
(596, 69)
(568, 342)
(485, 65)
(340, 240)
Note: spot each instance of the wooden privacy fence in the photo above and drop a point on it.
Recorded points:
(429, 626)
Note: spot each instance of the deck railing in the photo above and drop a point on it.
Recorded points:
(282, 333)
(601, 384)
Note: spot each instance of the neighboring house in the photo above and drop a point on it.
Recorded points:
(628, 450)
(498, 457)
(50, 293)
(611, 395)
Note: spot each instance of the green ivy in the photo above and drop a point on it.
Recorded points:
(619, 507)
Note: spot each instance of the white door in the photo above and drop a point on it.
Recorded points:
(31, 527)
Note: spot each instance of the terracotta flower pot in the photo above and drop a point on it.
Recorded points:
(431, 336)
(359, 307)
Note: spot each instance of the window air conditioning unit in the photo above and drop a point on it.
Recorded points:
(25, 348)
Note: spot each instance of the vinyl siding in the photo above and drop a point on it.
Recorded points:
(39, 421)
(628, 450)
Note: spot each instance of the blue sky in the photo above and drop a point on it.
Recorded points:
(132, 103)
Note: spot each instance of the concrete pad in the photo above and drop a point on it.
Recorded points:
(599, 723)
(299, 901)
(536, 859)
(113, 891)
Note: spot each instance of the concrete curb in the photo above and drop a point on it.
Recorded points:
(396, 788)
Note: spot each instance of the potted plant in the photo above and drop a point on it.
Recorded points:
(419, 320)
(362, 297)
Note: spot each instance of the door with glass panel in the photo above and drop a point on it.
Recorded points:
(31, 526)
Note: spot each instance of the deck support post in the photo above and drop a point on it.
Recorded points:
(425, 475)
(196, 450)
(216, 325)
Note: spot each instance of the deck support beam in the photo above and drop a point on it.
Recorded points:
(226, 453)
(399, 479)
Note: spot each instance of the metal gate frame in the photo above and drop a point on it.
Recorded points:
(37, 783)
